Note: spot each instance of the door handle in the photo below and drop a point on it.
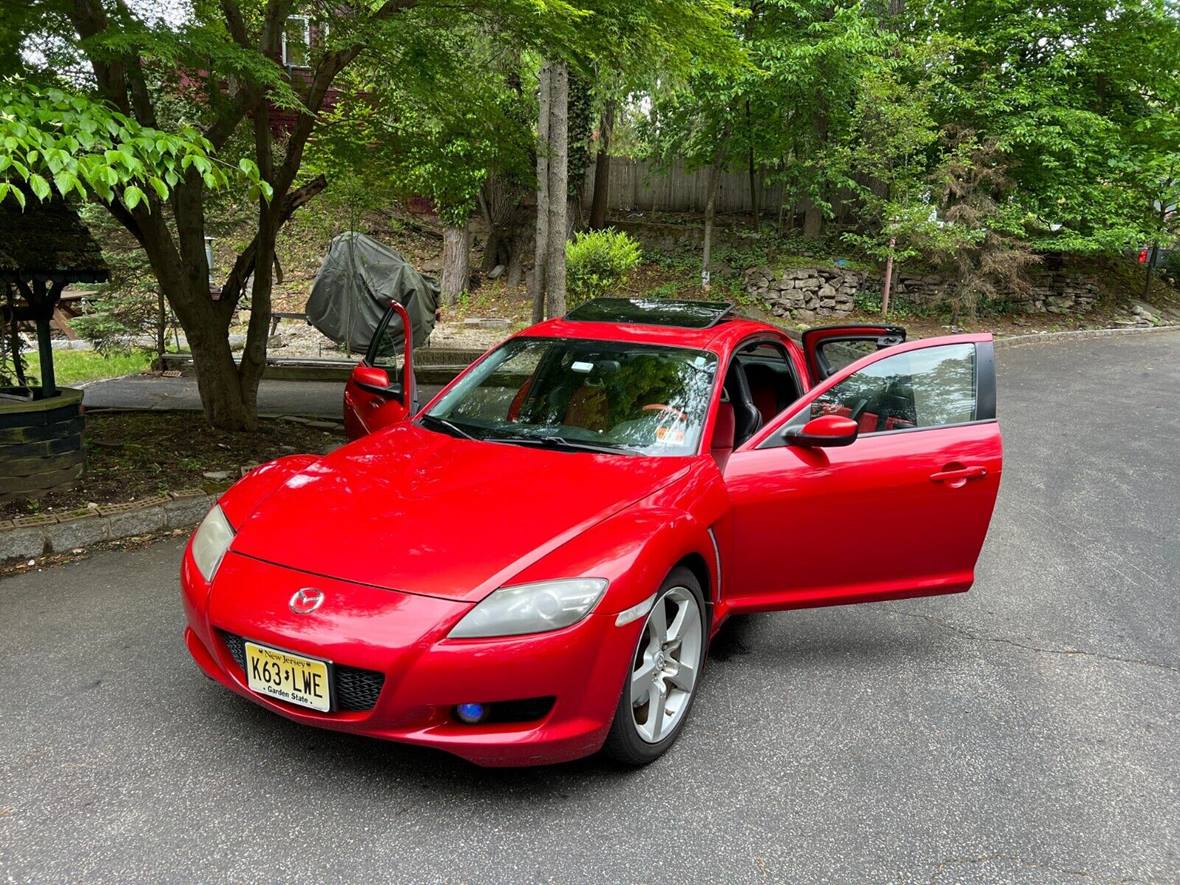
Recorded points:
(958, 475)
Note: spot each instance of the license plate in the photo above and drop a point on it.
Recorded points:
(291, 678)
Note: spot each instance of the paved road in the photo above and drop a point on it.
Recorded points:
(1028, 731)
(320, 399)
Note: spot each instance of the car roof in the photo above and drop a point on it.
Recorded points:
(718, 336)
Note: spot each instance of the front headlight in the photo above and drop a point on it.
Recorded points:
(210, 542)
(531, 608)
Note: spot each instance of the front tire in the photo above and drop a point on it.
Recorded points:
(665, 670)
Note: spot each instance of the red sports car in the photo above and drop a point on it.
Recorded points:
(529, 568)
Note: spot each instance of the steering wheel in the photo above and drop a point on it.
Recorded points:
(664, 407)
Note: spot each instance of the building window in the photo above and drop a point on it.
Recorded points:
(296, 42)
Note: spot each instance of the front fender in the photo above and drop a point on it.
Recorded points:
(244, 497)
(634, 550)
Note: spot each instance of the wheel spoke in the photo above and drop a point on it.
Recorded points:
(676, 628)
(684, 678)
(657, 701)
(641, 681)
(658, 621)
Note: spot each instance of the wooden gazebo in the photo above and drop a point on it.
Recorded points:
(43, 249)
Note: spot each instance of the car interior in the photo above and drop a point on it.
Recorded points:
(759, 383)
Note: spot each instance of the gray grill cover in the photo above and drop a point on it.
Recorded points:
(355, 285)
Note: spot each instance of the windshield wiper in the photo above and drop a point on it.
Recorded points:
(553, 441)
(450, 426)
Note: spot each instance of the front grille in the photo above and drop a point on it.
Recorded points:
(352, 688)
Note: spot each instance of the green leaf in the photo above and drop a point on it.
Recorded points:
(64, 181)
(210, 180)
(20, 196)
(159, 187)
(132, 196)
(39, 186)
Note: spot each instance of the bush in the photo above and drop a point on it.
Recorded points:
(598, 262)
(1171, 269)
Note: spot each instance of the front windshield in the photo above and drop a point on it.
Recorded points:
(580, 394)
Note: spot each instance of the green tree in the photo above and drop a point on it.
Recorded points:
(219, 73)
(891, 151)
(1070, 93)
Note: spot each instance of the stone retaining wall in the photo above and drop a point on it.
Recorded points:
(28, 537)
(812, 292)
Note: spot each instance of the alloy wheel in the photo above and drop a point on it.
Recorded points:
(664, 672)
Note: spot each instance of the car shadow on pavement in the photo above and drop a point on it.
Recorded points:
(788, 643)
(822, 638)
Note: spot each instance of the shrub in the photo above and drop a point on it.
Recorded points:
(597, 262)
(1171, 269)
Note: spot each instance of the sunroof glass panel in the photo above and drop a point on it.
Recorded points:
(652, 312)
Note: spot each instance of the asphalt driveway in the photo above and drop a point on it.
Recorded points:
(1029, 730)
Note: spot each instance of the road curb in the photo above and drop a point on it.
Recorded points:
(28, 537)
(1080, 335)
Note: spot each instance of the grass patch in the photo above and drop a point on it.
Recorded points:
(73, 367)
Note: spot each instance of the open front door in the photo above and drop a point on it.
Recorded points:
(378, 393)
(829, 349)
(878, 484)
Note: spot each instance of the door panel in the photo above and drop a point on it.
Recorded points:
(828, 349)
(373, 400)
(902, 511)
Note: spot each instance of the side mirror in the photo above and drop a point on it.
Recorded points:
(826, 430)
(375, 380)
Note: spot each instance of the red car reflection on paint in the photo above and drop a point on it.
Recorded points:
(529, 568)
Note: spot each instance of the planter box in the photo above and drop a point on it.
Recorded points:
(40, 445)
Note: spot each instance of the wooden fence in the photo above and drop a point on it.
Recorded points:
(641, 185)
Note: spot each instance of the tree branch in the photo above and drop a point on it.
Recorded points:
(243, 265)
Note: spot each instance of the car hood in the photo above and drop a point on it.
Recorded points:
(422, 512)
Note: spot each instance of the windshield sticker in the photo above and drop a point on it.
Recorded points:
(669, 436)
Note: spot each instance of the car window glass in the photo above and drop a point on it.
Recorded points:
(630, 397)
(837, 353)
(386, 346)
(931, 387)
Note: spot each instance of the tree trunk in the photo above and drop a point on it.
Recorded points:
(456, 250)
(599, 203)
(218, 381)
(558, 190)
(710, 207)
(813, 222)
(520, 244)
(541, 253)
(754, 207)
(161, 327)
(888, 278)
(1150, 267)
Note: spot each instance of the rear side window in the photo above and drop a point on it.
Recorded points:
(839, 353)
(931, 387)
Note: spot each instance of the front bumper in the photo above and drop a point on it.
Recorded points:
(403, 637)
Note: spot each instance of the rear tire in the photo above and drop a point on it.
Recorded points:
(664, 672)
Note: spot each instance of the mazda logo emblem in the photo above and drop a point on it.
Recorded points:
(306, 600)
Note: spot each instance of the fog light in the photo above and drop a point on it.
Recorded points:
(471, 713)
